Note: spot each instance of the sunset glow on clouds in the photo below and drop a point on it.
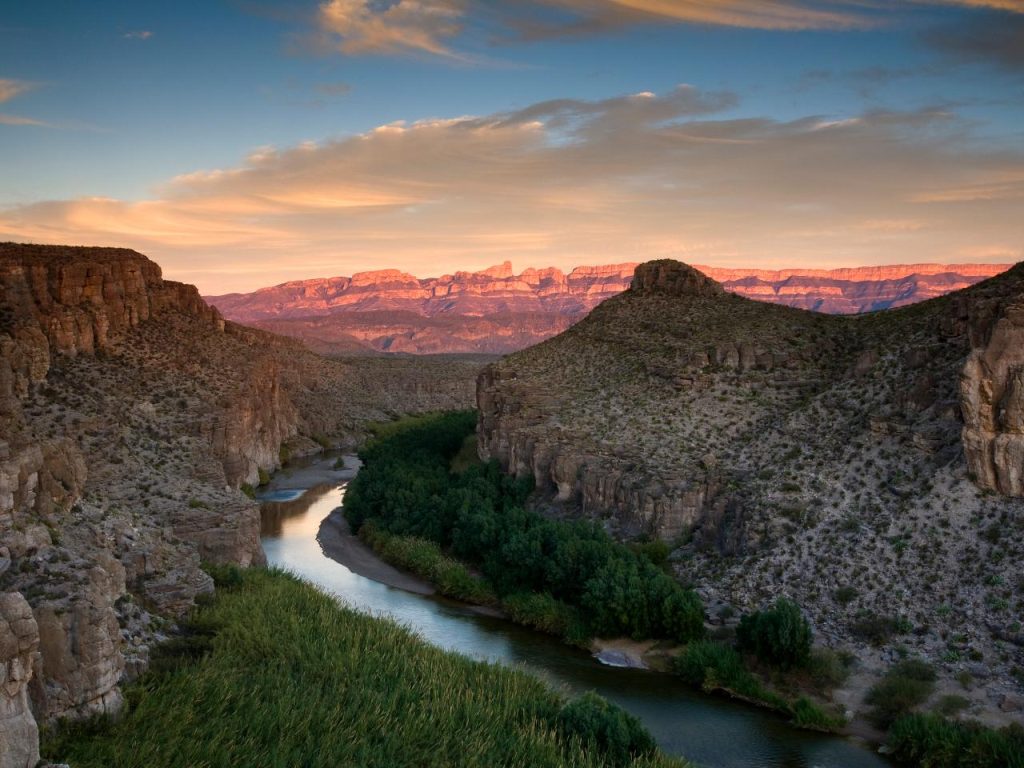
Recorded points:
(737, 173)
(566, 182)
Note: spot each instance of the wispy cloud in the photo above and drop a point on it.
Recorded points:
(138, 34)
(432, 26)
(405, 26)
(572, 181)
(17, 120)
(10, 89)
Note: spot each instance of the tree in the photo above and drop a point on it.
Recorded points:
(779, 636)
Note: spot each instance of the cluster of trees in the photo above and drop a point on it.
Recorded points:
(407, 488)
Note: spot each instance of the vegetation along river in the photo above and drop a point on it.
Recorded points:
(712, 732)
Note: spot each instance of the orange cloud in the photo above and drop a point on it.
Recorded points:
(362, 26)
(568, 181)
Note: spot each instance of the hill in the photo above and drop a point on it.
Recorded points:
(498, 311)
(871, 467)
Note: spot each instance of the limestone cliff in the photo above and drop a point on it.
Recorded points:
(788, 452)
(992, 393)
(131, 415)
(498, 311)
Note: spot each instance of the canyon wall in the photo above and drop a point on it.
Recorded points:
(498, 311)
(131, 418)
(992, 393)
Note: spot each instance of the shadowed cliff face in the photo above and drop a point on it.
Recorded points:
(790, 452)
(497, 311)
(130, 415)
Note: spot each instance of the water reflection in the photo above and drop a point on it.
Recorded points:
(712, 732)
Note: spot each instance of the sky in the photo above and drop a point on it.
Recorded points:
(244, 143)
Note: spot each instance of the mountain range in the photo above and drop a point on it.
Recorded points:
(496, 311)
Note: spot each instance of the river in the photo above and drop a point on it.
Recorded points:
(710, 731)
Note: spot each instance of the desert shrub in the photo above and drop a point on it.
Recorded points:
(845, 595)
(906, 686)
(606, 729)
(877, 629)
(827, 668)
(779, 636)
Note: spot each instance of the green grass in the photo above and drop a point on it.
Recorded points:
(273, 672)
(931, 741)
(426, 560)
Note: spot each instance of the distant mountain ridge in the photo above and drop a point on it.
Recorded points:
(498, 311)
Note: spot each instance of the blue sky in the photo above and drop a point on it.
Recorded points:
(118, 99)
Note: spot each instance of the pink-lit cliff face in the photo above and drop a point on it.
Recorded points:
(498, 311)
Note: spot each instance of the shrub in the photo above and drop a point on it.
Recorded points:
(248, 490)
(931, 741)
(224, 575)
(906, 686)
(603, 727)
(808, 715)
(540, 611)
(845, 595)
(779, 636)
(878, 630)
(264, 477)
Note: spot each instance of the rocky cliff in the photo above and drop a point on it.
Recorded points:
(869, 466)
(498, 311)
(131, 414)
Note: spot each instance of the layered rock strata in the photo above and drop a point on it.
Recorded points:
(131, 416)
(498, 311)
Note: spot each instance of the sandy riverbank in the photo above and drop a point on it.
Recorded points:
(341, 545)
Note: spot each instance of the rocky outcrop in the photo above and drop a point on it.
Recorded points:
(498, 311)
(992, 396)
(19, 651)
(638, 499)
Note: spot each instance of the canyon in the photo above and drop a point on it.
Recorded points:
(868, 467)
(134, 422)
(497, 311)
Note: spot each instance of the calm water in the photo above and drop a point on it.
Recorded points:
(711, 732)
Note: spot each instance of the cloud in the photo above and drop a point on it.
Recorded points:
(333, 89)
(10, 89)
(404, 26)
(431, 26)
(139, 34)
(17, 120)
(571, 181)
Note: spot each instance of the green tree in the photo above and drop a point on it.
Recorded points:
(779, 636)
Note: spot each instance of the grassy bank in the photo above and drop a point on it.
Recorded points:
(275, 673)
